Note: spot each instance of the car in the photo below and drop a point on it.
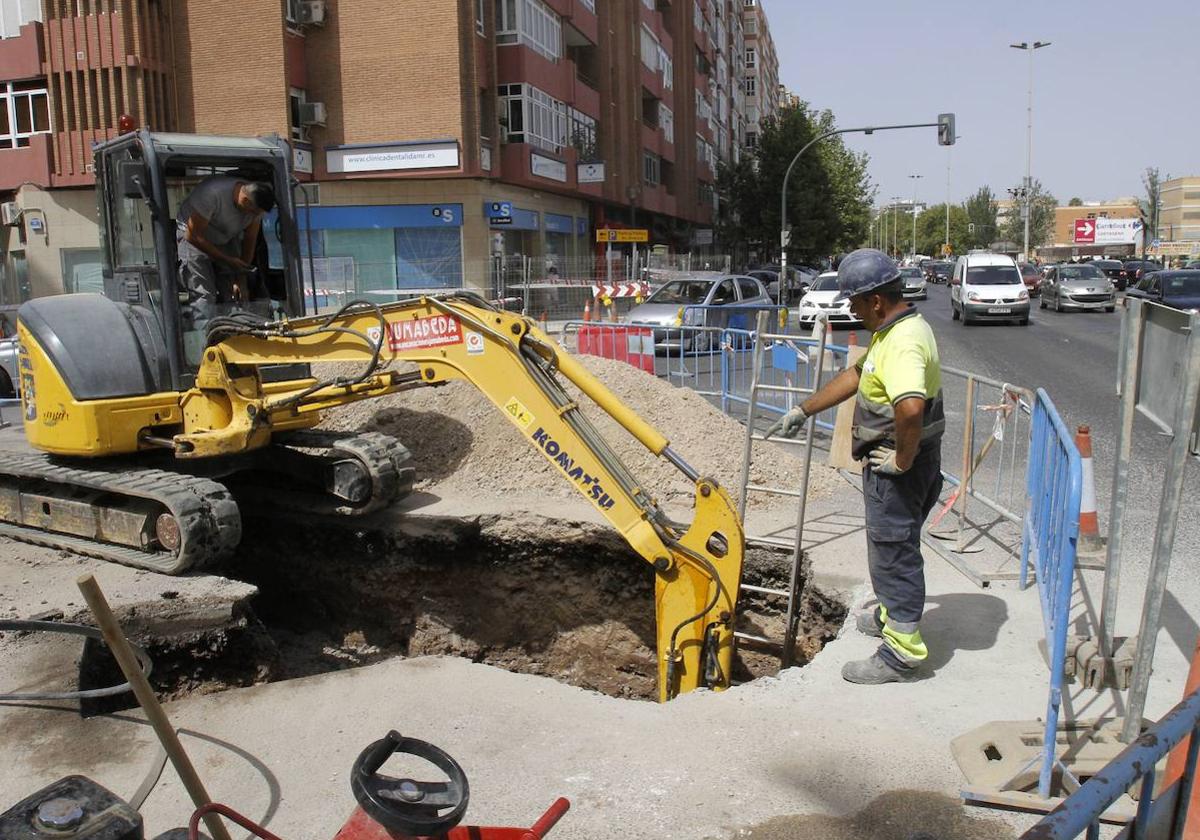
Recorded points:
(988, 287)
(914, 284)
(799, 278)
(820, 298)
(699, 300)
(938, 271)
(1032, 278)
(1135, 270)
(1179, 288)
(1079, 286)
(1113, 270)
(1194, 264)
(8, 368)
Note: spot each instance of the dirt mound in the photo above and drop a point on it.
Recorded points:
(460, 441)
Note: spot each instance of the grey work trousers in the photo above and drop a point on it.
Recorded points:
(896, 507)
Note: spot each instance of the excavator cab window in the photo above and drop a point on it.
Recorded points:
(131, 262)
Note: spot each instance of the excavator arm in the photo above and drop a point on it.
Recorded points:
(697, 567)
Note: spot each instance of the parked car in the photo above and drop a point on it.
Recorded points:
(799, 279)
(1194, 264)
(938, 271)
(8, 368)
(1135, 270)
(914, 284)
(988, 287)
(733, 299)
(820, 298)
(1032, 278)
(1114, 270)
(1080, 286)
(1179, 288)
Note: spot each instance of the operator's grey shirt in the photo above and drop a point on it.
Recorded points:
(212, 199)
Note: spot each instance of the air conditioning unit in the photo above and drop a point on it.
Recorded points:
(312, 113)
(10, 213)
(312, 13)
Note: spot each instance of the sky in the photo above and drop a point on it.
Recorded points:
(1117, 90)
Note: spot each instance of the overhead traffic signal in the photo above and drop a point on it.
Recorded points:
(946, 130)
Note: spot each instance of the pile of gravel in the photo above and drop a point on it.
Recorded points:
(463, 443)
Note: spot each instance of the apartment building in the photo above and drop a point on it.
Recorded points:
(430, 137)
(1179, 210)
(761, 78)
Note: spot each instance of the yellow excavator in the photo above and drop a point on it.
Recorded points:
(146, 418)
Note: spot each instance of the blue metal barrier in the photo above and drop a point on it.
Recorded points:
(1054, 478)
(1162, 816)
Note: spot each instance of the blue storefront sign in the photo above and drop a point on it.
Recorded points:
(515, 219)
(559, 224)
(498, 212)
(375, 216)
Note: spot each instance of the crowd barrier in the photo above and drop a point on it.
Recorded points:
(1053, 492)
(1160, 814)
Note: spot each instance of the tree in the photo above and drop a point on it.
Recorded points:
(931, 230)
(1075, 202)
(1041, 218)
(829, 204)
(981, 218)
(1152, 203)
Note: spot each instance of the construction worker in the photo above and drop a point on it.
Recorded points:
(898, 425)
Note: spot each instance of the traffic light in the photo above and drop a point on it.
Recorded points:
(945, 129)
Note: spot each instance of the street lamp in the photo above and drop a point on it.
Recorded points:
(1029, 48)
(896, 199)
(914, 179)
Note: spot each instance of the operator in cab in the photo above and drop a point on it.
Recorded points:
(898, 424)
(217, 231)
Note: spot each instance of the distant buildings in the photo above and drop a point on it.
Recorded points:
(573, 115)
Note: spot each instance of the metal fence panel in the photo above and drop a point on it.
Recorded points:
(1053, 487)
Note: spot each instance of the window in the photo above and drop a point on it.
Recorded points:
(651, 49)
(751, 139)
(591, 4)
(651, 168)
(583, 134)
(666, 121)
(533, 116)
(296, 98)
(748, 286)
(705, 194)
(532, 23)
(698, 17)
(479, 16)
(750, 86)
(24, 112)
(649, 4)
(751, 58)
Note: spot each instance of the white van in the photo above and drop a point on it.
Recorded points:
(988, 287)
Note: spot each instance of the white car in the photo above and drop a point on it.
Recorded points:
(819, 298)
(988, 287)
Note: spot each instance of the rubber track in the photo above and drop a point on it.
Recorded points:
(385, 459)
(210, 525)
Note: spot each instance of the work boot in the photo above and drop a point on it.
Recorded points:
(874, 671)
(868, 623)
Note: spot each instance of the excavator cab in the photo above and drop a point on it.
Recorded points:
(141, 180)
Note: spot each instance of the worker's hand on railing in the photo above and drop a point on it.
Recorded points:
(883, 461)
(789, 424)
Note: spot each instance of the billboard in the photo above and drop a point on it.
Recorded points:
(1108, 231)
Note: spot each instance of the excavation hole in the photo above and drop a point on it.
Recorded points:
(561, 600)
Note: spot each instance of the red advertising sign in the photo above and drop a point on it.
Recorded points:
(1085, 231)
(436, 331)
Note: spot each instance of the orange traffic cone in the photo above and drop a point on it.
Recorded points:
(587, 310)
(1090, 541)
(852, 341)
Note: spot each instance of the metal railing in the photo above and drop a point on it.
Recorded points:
(1051, 530)
(1161, 816)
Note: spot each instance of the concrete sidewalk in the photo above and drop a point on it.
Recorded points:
(705, 765)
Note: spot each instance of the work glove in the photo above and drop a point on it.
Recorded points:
(789, 424)
(883, 461)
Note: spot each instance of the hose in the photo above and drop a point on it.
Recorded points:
(74, 630)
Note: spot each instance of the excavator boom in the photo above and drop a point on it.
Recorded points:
(516, 367)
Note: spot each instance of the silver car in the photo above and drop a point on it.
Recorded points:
(8, 368)
(914, 283)
(1078, 286)
(682, 306)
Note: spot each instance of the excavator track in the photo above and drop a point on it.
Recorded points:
(152, 519)
(382, 475)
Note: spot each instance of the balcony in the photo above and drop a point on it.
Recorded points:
(21, 57)
(30, 164)
(518, 63)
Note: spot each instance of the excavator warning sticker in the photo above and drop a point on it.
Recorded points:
(518, 413)
(434, 331)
